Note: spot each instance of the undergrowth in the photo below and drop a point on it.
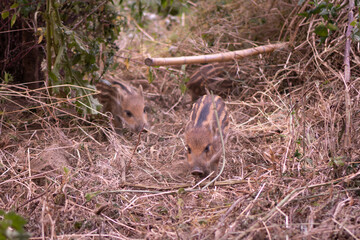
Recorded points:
(288, 174)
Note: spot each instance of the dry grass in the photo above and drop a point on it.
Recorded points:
(69, 175)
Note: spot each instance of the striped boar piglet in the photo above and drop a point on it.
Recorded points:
(124, 102)
(202, 135)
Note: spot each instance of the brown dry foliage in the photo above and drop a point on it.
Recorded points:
(287, 135)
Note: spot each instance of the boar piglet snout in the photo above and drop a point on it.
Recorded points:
(202, 135)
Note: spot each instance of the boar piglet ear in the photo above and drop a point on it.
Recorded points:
(140, 90)
(119, 99)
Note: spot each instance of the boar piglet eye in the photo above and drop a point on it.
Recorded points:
(207, 148)
(146, 109)
(188, 149)
(128, 113)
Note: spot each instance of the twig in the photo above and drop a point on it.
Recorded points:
(346, 79)
(143, 31)
(187, 185)
(222, 143)
(203, 180)
(220, 57)
(94, 10)
(34, 198)
(89, 135)
(137, 144)
(219, 231)
(346, 229)
(180, 99)
(288, 198)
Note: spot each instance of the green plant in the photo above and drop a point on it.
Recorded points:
(160, 7)
(12, 226)
(79, 41)
(328, 11)
(75, 49)
(356, 24)
(8, 78)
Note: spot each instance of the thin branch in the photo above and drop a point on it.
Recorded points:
(220, 57)
(347, 74)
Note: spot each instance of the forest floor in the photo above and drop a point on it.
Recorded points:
(286, 173)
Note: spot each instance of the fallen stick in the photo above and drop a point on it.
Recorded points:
(185, 185)
(219, 57)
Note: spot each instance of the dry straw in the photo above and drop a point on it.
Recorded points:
(283, 177)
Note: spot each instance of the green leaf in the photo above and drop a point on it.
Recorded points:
(309, 161)
(322, 39)
(181, 190)
(183, 88)
(18, 222)
(12, 226)
(90, 196)
(115, 66)
(304, 14)
(186, 79)
(79, 44)
(321, 30)
(353, 23)
(151, 76)
(58, 60)
(324, 12)
(163, 3)
(6, 78)
(356, 37)
(334, 11)
(183, 68)
(162, 210)
(339, 162)
(78, 77)
(53, 78)
(318, 8)
(13, 20)
(202, 221)
(76, 59)
(5, 14)
(332, 27)
(15, 5)
(90, 59)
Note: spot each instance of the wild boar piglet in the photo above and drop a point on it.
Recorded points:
(202, 135)
(125, 103)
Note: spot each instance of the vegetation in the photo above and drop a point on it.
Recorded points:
(12, 226)
(292, 162)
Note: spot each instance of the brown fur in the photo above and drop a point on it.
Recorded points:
(214, 76)
(202, 135)
(124, 102)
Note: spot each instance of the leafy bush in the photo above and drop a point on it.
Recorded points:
(77, 36)
(329, 11)
(12, 226)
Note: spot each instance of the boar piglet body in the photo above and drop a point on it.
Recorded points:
(202, 135)
(124, 102)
